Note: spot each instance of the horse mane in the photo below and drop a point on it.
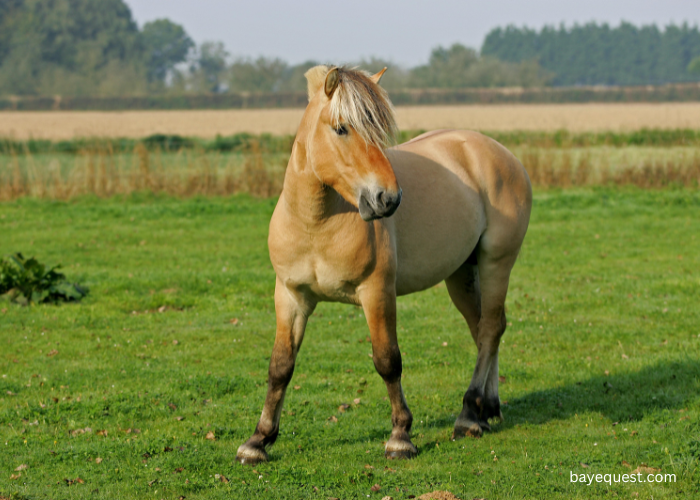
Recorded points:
(359, 103)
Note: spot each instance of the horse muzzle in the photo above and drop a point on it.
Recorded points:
(377, 204)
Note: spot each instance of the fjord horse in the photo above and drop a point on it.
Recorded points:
(464, 209)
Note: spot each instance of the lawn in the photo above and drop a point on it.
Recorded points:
(146, 388)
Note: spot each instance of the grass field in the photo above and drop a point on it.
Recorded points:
(208, 123)
(114, 397)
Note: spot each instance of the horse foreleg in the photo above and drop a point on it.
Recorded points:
(292, 313)
(380, 309)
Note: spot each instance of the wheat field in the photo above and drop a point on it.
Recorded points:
(60, 125)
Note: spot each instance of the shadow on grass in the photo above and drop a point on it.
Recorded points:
(625, 397)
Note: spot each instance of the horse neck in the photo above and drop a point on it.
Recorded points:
(306, 197)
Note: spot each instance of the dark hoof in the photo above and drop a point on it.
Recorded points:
(466, 429)
(249, 455)
(400, 454)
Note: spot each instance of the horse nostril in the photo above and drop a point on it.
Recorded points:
(380, 199)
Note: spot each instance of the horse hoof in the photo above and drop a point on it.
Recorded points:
(248, 455)
(400, 450)
(400, 455)
(471, 429)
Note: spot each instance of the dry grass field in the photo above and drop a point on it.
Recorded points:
(188, 173)
(58, 125)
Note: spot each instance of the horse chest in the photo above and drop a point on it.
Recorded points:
(330, 267)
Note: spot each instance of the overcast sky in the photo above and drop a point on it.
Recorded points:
(402, 31)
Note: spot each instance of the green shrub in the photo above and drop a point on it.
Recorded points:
(27, 280)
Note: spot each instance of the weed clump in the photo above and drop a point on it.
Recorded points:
(26, 280)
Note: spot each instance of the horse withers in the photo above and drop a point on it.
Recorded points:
(361, 222)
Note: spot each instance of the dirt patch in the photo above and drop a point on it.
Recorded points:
(438, 495)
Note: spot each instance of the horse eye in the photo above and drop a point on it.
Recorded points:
(341, 130)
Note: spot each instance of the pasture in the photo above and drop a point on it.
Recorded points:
(146, 388)
(62, 125)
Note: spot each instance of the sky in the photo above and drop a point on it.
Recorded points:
(402, 31)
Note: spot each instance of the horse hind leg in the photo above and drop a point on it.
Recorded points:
(465, 292)
(479, 293)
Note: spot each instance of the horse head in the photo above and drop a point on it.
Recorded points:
(350, 121)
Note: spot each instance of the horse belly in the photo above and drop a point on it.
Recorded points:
(437, 227)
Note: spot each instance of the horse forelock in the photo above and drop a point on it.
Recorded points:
(365, 106)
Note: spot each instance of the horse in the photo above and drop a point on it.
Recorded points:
(337, 234)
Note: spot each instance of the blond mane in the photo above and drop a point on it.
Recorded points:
(359, 103)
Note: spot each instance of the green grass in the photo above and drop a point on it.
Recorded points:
(600, 362)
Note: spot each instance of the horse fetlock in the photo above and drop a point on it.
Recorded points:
(266, 433)
(403, 421)
(473, 419)
(251, 453)
(474, 401)
(491, 410)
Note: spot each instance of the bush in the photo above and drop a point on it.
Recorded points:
(27, 280)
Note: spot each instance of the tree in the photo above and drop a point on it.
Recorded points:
(166, 44)
(597, 54)
(261, 74)
(694, 66)
(462, 67)
(446, 67)
(209, 67)
(9, 10)
(69, 47)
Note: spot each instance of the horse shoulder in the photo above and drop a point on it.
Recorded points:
(289, 247)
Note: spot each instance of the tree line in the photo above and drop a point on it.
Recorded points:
(594, 54)
(95, 48)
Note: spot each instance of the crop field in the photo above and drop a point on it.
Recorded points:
(146, 387)
(61, 125)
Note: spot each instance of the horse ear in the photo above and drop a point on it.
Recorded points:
(376, 77)
(314, 79)
(331, 82)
